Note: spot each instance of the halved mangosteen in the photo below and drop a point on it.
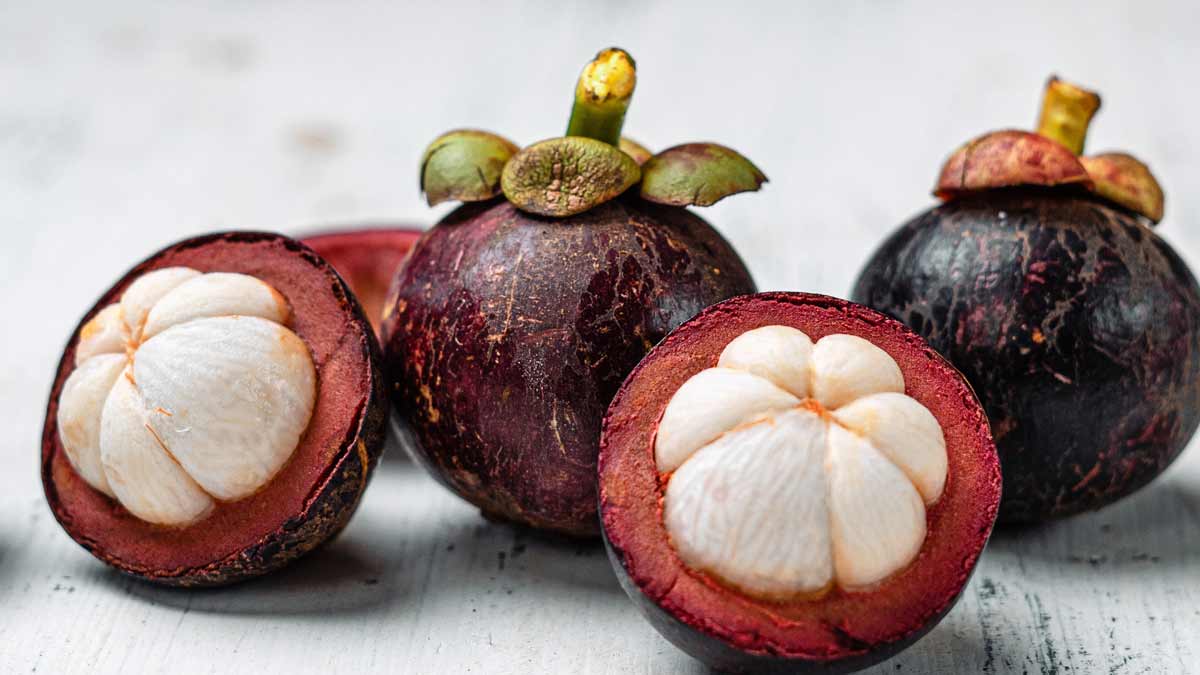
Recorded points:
(216, 414)
(518, 316)
(793, 482)
(367, 259)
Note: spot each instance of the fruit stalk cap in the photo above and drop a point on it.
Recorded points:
(602, 96)
(1051, 157)
(1066, 112)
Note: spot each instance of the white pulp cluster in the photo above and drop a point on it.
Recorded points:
(797, 466)
(189, 391)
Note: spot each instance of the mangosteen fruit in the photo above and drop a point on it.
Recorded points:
(792, 483)
(516, 318)
(367, 259)
(1039, 276)
(216, 414)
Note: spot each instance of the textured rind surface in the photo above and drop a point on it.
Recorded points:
(367, 259)
(1077, 325)
(843, 631)
(259, 534)
(511, 333)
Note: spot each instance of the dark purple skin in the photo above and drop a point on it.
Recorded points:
(724, 658)
(1075, 323)
(511, 333)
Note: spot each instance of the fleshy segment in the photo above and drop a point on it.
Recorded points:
(187, 392)
(795, 466)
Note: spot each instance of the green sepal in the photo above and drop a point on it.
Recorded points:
(698, 174)
(464, 165)
(564, 176)
(637, 151)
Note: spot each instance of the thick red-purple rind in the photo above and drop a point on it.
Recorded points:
(511, 332)
(367, 259)
(1078, 326)
(842, 631)
(255, 535)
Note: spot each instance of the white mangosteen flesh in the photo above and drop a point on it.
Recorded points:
(188, 392)
(793, 467)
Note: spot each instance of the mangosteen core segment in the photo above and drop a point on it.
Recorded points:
(509, 334)
(210, 333)
(1041, 279)
(367, 259)
(517, 317)
(795, 483)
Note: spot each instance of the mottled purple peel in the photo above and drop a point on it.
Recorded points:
(510, 333)
(1078, 327)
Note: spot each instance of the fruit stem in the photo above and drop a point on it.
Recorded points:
(1066, 112)
(602, 96)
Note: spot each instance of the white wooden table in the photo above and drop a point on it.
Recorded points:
(125, 127)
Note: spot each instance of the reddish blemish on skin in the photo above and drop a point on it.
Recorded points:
(841, 629)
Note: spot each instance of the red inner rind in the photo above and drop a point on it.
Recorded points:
(325, 319)
(842, 623)
(367, 259)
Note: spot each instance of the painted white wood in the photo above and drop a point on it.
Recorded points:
(124, 126)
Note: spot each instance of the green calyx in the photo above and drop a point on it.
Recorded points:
(464, 165)
(636, 150)
(564, 176)
(698, 174)
(591, 165)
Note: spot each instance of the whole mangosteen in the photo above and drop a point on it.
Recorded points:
(1039, 276)
(794, 483)
(516, 318)
(216, 414)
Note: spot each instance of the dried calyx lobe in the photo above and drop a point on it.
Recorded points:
(1076, 324)
(312, 495)
(518, 316)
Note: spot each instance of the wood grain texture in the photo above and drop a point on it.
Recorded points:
(124, 126)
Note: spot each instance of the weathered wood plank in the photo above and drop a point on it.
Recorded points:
(125, 127)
